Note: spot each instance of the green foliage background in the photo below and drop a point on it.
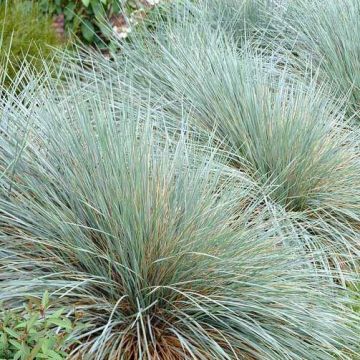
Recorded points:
(34, 331)
(26, 35)
(89, 19)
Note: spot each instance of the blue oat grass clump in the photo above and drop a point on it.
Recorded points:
(190, 198)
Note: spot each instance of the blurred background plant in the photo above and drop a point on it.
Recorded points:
(97, 22)
(26, 35)
(30, 31)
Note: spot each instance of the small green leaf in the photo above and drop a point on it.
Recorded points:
(3, 340)
(85, 2)
(18, 355)
(21, 325)
(69, 11)
(98, 10)
(45, 346)
(63, 323)
(88, 30)
(54, 355)
(32, 321)
(57, 313)
(116, 6)
(45, 299)
(12, 333)
(25, 351)
(15, 343)
(34, 351)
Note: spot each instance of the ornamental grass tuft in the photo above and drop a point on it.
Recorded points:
(288, 135)
(192, 197)
(161, 257)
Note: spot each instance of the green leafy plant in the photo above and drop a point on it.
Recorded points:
(26, 35)
(98, 22)
(83, 18)
(34, 332)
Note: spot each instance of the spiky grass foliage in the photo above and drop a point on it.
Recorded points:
(240, 19)
(288, 136)
(326, 32)
(162, 259)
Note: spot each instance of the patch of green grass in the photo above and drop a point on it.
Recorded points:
(26, 35)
